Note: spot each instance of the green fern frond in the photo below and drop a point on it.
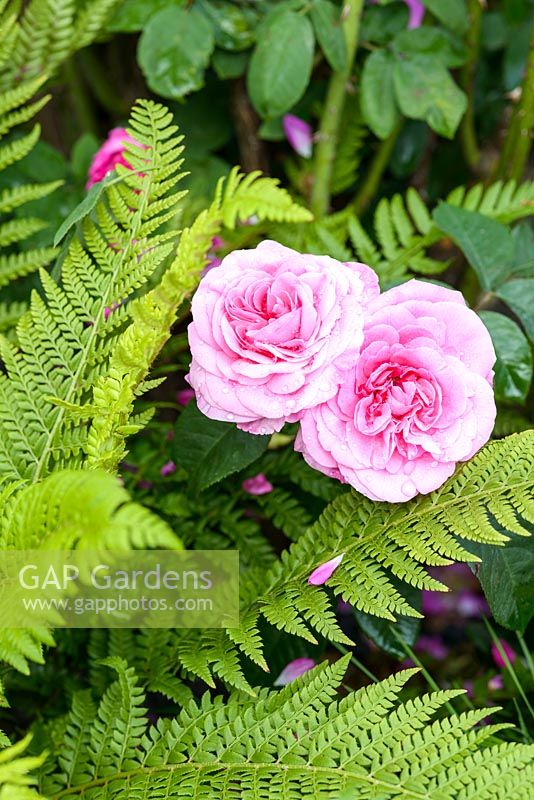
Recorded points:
(240, 197)
(404, 229)
(379, 539)
(302, 741)
(353, 132)
(15, 768)
(79, 505)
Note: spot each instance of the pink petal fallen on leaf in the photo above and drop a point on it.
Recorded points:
(294, 670)
(257, 485)
(497, 656)
(298, 134)
(168, 469)
(324, 571)
(184, 396)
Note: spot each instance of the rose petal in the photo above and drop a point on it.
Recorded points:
(298, 134)
(294, 670)
(324, 571)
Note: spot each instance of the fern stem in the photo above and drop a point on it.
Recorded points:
(518, 141)
(509, 667)
(426, 674)
(331, 117)
(468, 137)
(356, 662)
(377, 168)
(79, 98)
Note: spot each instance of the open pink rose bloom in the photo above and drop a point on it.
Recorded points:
(273, 334)
(416, 401)
(391, 390)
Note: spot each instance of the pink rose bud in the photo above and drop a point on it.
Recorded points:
(497, 656)
(417, 400)
(109, 155)
(325, 571)
(258, 484)
(496, 683)
(294, 670)
(184, 396)
(417, 12)
(273, 333)
(298, 134)
(168, 469)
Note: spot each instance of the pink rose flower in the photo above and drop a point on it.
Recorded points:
(298, 134)
(294, 670)
(108, 156)
(417, 401)
(257, 485)
(323, 572)
(273, 333)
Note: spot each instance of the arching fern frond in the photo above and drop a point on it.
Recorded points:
(404, 228)
(68, 335)
(68, 509)
(15, 772)
(490, 493)
(303, 741)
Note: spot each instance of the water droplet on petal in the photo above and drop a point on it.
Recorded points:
(230, 417)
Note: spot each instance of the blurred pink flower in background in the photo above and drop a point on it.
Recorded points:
(184, 396)
(497, 657)
(432, 645)
(496, 683)
(168, 469)
(257, 485)
(416, 9)
(294, 670)
(325, 571)
(108, 156)
(417, 12)
(298, 134)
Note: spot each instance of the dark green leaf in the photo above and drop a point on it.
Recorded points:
(232, 26)
(174, 51)
(452, 13)
(440, 45)
(326, 18)
(205, 119)
(523, 263)
(379, 108)
(228, 64)
(518, 294)
(425, 90)
(487, 245)
(133, 15)
(381, 631)
(381, 23)
(281, 64)
(506, 577)
(84, 208)
(513, 370)
(209, 450)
